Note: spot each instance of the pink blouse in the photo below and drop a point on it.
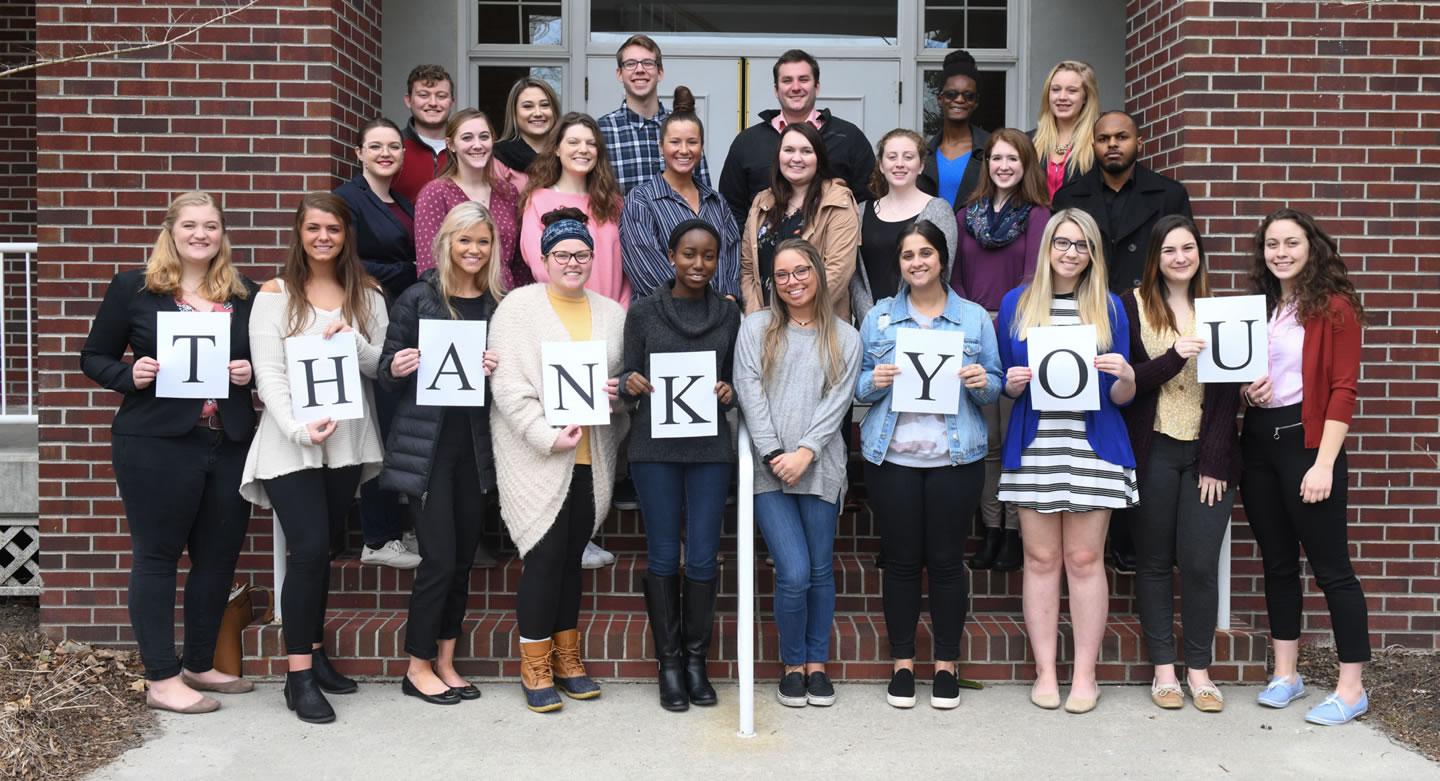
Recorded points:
(1287, 344)
(1055, 174)
(607, 277)
(436, 200)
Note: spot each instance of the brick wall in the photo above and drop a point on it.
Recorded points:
(1328, 107)
(258, 109)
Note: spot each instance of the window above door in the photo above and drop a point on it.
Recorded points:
(797, 22)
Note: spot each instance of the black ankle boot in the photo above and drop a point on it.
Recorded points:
(662, 600)
(699, 621)
(303, 695)
(989, 549)
(328, 677)
(1012, 553)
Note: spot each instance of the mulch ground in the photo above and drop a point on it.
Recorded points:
(64, 709)
(1404, 689)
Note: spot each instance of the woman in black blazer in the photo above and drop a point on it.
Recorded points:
(178, 461)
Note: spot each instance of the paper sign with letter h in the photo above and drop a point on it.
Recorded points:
(324, 377)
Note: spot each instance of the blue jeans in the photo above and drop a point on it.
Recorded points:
(669, 492)
(800, 532)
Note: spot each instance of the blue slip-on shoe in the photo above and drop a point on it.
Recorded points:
(1280, 692)
(1334, 712)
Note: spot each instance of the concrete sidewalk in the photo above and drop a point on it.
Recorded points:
(996, 733)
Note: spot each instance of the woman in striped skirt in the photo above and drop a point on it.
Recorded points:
(1066, 471)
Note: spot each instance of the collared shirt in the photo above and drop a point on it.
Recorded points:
(652, 210)
(779, 123)
(633, 144)
(1116, 203)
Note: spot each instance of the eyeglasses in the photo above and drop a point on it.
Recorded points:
(952, 94)
(630, 65)
(800, 274)
(1063, 245)
(563, 258)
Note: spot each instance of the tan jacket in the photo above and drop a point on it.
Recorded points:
(835, 231)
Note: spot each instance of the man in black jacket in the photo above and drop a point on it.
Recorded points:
(752, 154)
(1125, 198)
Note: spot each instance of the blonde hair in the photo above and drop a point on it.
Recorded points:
(162, 270)
(463, 217)
(773, 343)
(1047, 130)
(1092, 296)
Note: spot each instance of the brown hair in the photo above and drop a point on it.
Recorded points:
(377, 122)
(348, 269)
(427, 75)
(879, 185)
(1032, 188)
(773, 341)
(512, 128)
(644, 42)
(605, 196)
(452, 165)
(1151, 295)
(162, 270)
(780, 187)
(1323, 276)
(682, 110)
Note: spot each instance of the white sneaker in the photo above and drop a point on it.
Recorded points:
(595, 557)
(411, 542)
(391, 554)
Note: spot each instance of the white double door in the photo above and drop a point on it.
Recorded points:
(866, 92)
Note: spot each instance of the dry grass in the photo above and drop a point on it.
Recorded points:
(1404, 689)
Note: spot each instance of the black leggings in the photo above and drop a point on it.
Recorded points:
(549, 597)
(447, 526)
(180, 493)
(924, 518)
(311, 505)
(1276, 459)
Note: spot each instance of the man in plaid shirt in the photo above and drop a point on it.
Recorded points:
(632, 132)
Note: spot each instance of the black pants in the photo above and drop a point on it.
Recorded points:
(1276, 459)
(924, 518)
(180, 493)
(1172, 525)
(311, 504)
(448, 526)
(549, 597)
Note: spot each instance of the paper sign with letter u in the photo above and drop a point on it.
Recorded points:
(1063, 377)
(452, 364)
(929, 379)
(684, 403)
(324, 377)
(1236, 339)
(573, 375)
(193, 350)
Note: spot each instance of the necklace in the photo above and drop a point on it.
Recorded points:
(802, 323)
(1064, 149)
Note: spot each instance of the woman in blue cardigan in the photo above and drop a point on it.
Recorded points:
(1066, 471)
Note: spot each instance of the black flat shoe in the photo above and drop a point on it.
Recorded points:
(447, 697)
(466, 692)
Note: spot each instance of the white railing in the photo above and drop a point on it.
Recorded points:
(8, 309)
(745, 609)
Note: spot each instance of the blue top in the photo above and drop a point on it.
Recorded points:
(1104, 428)
(952, 172)
(964, 430)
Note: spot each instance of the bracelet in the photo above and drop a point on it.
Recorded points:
(772, 454)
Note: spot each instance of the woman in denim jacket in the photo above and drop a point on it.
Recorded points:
(925, 470)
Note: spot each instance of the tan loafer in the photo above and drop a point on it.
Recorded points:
(1049, 701)
(205, 705)
(1207, 699)
(237, 686)
(1075, 704)
(1167, 695)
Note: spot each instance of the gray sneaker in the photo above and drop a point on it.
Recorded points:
(391, 554)
(595, 557)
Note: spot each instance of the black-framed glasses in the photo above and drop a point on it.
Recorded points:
(563, 258)
(799, 274)
(647, 64)
(1062, 245)
(951, 94)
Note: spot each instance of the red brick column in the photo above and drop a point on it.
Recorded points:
(257, 109)
(1328, 107)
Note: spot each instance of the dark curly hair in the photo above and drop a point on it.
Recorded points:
(1322, 277)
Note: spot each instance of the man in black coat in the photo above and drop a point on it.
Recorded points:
(1125, 198)
(752, 153)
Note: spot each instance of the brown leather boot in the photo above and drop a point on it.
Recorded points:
(535, 677)
(570, 674)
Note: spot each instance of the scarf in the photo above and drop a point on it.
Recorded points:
(1006, 228)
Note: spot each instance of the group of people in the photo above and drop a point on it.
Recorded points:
(797, 273)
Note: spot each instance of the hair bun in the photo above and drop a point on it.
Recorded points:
(564, 213)
(684, 100)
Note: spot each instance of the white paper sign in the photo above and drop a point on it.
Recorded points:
(574, 374)
(1063, 376)
(193, 350)
(684, 402)
(324, 377)
(1236, 339)
(929, 379)
(452, 364)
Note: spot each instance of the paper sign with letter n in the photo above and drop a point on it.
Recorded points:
(929, 379)
(452, 364)
(573, 375)
(1236, 339)
(684, 402)
(193, 350)
(1063, 377)
(324, 377)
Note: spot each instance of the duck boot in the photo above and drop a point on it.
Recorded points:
(535, 677)
(699, 622)
(569, 671)
(662, 601)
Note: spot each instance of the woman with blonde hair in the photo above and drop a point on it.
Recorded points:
(177, 461)
(1065, 134)
(1065, 471)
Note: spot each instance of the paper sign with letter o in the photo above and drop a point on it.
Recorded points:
(929, 379)
(193, 350)
(324, 377)
(1063, 377)
(573, 375)
(1236, 339)
(452, 364)
(684, 402)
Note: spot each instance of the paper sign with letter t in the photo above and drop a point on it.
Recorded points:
(452, 363)
(1063, 377)
(573, 376)
(1236, 339)
(324, 377)
(929, 378)
(684, 403)
(193, 350)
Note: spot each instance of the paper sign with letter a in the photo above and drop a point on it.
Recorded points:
(929, 379)
(574, 383)
(1063, 376)
(684, 402)
(193, 350)
(1236, 339)
(452, 364)
(324, 377)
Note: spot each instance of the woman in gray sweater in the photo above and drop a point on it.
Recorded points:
(795, 369)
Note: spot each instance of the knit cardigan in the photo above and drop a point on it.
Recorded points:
(533, 480)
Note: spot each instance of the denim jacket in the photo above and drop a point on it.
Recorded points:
(966, 428)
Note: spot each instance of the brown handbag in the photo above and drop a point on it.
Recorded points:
(238, 614)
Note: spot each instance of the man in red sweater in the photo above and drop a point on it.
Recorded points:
(429, 94)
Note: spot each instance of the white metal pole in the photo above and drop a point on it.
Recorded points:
(745, 610)
(1222, 620)
(278, 564)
